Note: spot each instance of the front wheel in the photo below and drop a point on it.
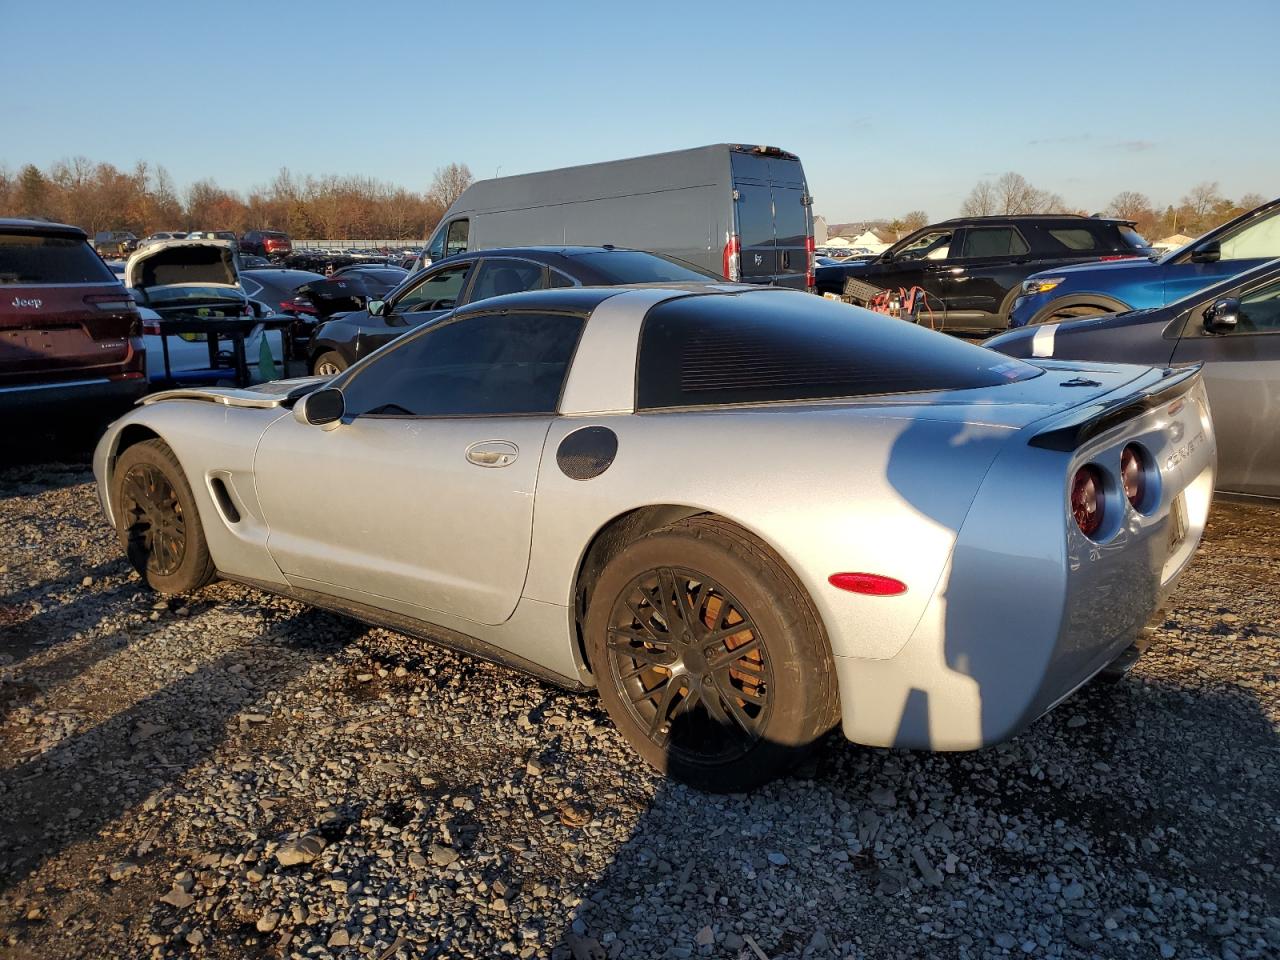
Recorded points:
(157, 521)
(1068, 312)
(709, 656)
(329, 364)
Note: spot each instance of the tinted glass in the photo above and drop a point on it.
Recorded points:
(498, 277)
(1133, 238)
(1258, 238)
(1075, 238)
(1260, 310)
(764, 347)
(440, 291)
(34, 259)
(933, 245)
(993, 242)
(456, 239)
(636, 266)
(492, 364)
(558, 279)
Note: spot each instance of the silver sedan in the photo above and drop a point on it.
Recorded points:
(744, 515)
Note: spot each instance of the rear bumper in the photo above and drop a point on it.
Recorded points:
(71, 394)
(1028, 609)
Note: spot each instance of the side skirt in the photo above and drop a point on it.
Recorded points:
(420, 629)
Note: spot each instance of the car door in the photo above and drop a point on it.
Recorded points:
(421, 497)
(1242, 376)
(434, 295)
(978, 274)
(498, 276)
(1249, 245)
(918, 261)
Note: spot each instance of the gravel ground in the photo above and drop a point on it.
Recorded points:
(235, 775)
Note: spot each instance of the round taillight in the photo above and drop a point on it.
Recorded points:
(1133, 474)
(1086, 499)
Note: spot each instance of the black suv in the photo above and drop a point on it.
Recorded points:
(971, 268)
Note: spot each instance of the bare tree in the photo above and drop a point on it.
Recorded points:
(448, 183)
(1202, 199)
(1251, 200)
(1129, 205)
(1009, 195)
(981, 202)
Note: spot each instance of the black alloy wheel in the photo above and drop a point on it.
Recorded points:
(692, 663)
(156, 527)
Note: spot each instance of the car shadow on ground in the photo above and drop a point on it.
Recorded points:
(1081, 837)
(71, 790)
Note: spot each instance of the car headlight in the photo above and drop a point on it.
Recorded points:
(1040, 285)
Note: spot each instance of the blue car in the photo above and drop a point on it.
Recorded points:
(1090, 289)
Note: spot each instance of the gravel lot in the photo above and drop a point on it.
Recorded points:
(236, 775)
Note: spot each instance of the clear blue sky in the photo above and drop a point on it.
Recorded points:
(892, 106)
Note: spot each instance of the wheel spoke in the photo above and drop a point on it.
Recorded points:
(724, 658)
(729, 699)
(670, 594)
(645, 619)
(660, 716)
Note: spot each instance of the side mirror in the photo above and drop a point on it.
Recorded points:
(886, 257)
(375, 307)
(1223, 316)
(322, 408)
(1210, 252)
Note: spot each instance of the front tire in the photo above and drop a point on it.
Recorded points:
(157, 520)
(709, 656)
(329, 364)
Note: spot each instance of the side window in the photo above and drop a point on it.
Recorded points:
(1259, 240)
(558, 279)
(438, 291)
(489, 365)
(993, 242)
(455, 240)
(496, 277)
(933, 245)
(1260, 310)
(435, 250)
(1074, 238)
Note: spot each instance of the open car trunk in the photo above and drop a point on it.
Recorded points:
(187, 278)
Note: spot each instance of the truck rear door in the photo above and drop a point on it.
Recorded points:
(773, 221)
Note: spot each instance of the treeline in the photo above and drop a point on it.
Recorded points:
(100, 196)
(1202, 208)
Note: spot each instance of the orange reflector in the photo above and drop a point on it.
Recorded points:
(871, 584)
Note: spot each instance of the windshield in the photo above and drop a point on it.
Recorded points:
(27, 258)
(933, 245)
(176, 294)
(636, 266)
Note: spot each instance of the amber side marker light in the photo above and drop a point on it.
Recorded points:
(871, 584)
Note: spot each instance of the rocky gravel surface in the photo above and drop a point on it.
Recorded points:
(235, 775)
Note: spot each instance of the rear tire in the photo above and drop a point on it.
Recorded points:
(157, 520)
(329, 364)
(719, 709)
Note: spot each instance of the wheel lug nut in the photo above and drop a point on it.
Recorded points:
(706, 681)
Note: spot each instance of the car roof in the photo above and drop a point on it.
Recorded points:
(583, 300)
(1026, 218)
(17, 225)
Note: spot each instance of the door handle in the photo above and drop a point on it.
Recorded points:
(492, 453)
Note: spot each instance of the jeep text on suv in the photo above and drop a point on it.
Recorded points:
(971, 269)
(69, 331)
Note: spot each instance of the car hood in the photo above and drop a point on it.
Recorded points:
(182, 262)
(274, 393)
(1097, 266)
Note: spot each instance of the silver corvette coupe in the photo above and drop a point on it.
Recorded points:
(744, 515)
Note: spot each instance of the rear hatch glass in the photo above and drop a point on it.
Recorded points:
(28, 259)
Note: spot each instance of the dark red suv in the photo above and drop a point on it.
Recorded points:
(70, 333)
(271, 244)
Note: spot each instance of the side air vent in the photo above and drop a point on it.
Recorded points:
(223, 498)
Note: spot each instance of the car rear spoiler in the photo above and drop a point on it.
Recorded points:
(1093, 419)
